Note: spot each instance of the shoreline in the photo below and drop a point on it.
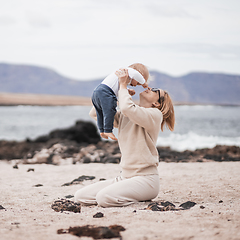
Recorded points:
(15, 99)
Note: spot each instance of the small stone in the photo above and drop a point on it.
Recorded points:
(69, 196)
(1, 207)
(30, 170)
(38, 185)
(187, 205)
(15, 166)
(15, 223)
(202, 207)
(98, 215)
(221, 201)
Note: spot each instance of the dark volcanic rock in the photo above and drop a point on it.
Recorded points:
(78, 180)
(112, 231)
(218, 153)
(82, 143)
(168, 206)
(1, 207)
(81, 132)
(187, 205)
(17, 150)
(162, 206)
(98, 215)
(15, 166)
(66, 205)
(38, 185)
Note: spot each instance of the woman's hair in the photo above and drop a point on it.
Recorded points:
(167, 109)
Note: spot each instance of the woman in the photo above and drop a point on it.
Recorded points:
(138, 129)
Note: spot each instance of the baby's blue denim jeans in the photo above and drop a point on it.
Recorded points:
(105, 102)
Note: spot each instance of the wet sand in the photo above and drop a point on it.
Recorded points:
(213, 186)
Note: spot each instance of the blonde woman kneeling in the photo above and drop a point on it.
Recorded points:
(138, 129)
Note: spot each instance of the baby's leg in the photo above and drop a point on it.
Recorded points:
(109, 104)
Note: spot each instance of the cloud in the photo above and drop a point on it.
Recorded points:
(217, 51)
(37, 21)
(7, 20)
(169, 11)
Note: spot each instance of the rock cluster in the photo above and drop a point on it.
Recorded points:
(66, 205)
(219, 153)
(168, 206)
(81, 143)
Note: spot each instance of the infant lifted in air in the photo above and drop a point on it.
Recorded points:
(104, 97)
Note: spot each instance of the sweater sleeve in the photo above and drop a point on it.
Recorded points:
(147, 118)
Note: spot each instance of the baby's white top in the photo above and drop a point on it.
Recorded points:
(112, 79)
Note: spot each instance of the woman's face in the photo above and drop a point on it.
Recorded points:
(150, 96)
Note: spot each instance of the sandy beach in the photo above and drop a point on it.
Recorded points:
(8, 99)
(213, 186)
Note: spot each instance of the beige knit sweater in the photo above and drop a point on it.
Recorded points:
(138, 129)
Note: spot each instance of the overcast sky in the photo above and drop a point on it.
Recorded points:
(87, 39)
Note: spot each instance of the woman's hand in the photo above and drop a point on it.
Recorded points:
(123, 77)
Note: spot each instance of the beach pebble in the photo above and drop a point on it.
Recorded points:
(15, 166)
(69, 196)
(98, 215)
(38, 185)
(187, 205)
(30, 170)
(1, 207)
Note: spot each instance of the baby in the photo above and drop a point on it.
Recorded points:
(104, 97)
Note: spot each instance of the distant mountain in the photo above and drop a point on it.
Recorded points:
(196, 87)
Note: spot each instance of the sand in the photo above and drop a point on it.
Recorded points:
(213, 186)
(8, 99)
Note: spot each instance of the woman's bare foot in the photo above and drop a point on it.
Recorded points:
(110, 135)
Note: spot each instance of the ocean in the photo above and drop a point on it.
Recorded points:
(196, 126)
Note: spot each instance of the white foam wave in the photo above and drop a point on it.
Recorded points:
(196, 107)
(193, 141)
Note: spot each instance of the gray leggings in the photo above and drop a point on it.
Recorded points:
(119, 191)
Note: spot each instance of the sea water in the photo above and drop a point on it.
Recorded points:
(196, 126)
